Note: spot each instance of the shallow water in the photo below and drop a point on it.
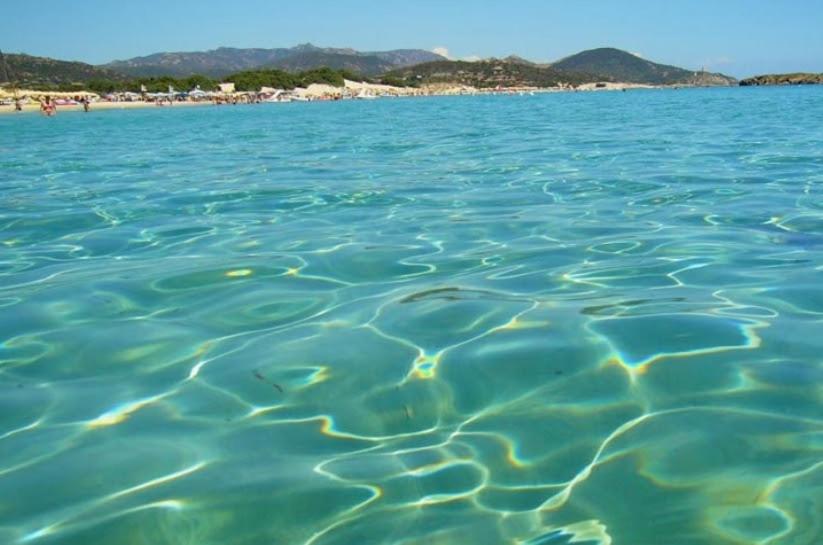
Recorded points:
(573, 318)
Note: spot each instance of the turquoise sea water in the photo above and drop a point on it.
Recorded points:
(574, 318)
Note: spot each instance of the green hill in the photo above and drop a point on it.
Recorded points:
(487, 74)
(620, 66)
(220, 62)
(43, 73)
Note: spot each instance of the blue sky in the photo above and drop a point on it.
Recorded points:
(740, 37)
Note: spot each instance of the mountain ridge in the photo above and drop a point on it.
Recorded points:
(606, 65)
(227, 60)
(401, 66)
(46, 72)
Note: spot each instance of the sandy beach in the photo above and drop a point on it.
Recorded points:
(35, 107)
(351, 89)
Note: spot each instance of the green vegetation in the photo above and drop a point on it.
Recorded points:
(219, 63)
(152, 85)
(250, 80)
(46, 74)
(486, 74)
(255, 79)
(616, 65)
(396, 81)
(784, 79)
(304, 65)
(49, 74)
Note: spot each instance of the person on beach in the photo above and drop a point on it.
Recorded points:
(85, 102)
(48, 107)
(18, 106)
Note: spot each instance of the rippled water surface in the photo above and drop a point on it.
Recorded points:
(573, 318)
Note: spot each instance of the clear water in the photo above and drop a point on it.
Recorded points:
(575, 318)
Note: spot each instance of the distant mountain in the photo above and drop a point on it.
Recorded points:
(784, 79)
(596, 65)
(225, 60)
(621, 66)
(488, 74)
(308, 60)
(43, 73)
(516, 59)
(406, 57)
(404, 66)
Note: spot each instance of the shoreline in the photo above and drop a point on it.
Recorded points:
(35, 107)
(437, 90)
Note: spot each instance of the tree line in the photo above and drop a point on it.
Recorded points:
(248, 80)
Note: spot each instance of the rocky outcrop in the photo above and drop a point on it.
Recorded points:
(784, 79)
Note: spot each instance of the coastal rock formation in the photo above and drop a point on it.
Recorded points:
(784, 79)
